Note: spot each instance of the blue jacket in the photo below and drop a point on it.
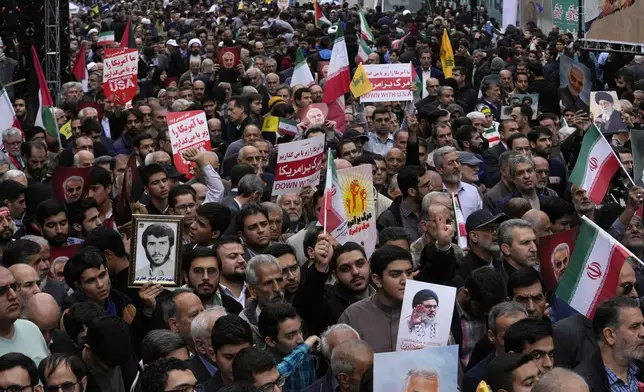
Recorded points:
(436, 73)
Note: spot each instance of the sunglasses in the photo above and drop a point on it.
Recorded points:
(628, 287)
(5, 289)
(65, 387)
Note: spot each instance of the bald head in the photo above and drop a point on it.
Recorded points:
(83, 159)
(435, 181)
(561, 380)
(27, 278)
(42, 310)
(158, 157)
(434, 198)
(342, 164)
(540, 222)
(201, 191)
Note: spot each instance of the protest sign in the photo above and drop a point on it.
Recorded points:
(298, 164)
(575, 82)
(120, 69)
(187, 129)
(359, 201)
(282, 4)
(605, 111)
(426, 316)
(431, 369)
(554, 255)
(531, 100)
(390, 83)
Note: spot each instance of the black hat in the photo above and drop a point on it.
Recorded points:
(603, 96)
(173, 173)
(482, 218)
(352, 134)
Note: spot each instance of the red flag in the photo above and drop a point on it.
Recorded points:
(554, 254)
(128, 39)
(80, 69)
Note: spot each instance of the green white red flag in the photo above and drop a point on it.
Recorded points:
(332, 215)
(365, 30)
(301, 73)
(593, 272)
(596, 165)
(460, 222)
(363, 51)
(106, 38)
(339, 76)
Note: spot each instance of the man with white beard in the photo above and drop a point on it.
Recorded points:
(610, 119)
(482, 241)
(448, 164)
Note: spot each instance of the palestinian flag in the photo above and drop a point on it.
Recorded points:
(460, 222)
(363, 51)
(319, 15)
(365, 31)
(593, 271)
(339, 76)
(596, 165)
(128, 39)
(8, 117)
(415, 79)
(80, 69)
(106, 38)
(397, 44)
(332, 215)
(301, 73)
(40, 102)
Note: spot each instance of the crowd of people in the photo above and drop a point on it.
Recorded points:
(268, 300)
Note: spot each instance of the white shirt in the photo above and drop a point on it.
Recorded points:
(469, 198)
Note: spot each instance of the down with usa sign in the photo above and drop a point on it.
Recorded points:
(120, 69)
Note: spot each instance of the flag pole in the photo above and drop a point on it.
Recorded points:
(596, 227)
(326, 191)
(616, 156)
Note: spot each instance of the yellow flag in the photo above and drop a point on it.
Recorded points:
(360, 84)
(447, 55)
(271, 124)
(95, 10)
(66, 129)
(483, 387)
(241, 5)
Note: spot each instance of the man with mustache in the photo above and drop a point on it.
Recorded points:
(158, 239)
(51, 216)
(6, 229)
(448, 165)
(570, 95)
(201, 271)
(266, 284)
(482, 242)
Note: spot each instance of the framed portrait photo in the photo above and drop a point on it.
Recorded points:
(156, 250)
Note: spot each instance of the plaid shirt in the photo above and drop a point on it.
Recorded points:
(472, 331)
(298, 368)
(617, 385)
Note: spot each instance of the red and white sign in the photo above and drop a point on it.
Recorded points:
(120, 69)
(390, 83)
(187, 129)
(298, 164)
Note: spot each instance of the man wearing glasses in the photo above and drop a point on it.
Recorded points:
(64, 372)
(16, 334)
(380, 138)
(482, 241)
(18, 373)
(169, 375)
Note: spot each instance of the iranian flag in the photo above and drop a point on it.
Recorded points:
(593, 272)
(460, 222)
(319, 15)
(287, 127)
(339, 76)
(41, 104)
(301, 73)
(492, 135)
(363, 51)
(80, 69)
(365, 31)
(106, 38)
(8, 117)
(596, 165)
(332, 215)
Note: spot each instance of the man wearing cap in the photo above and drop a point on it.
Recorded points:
(359, 139)
(610, 119)
(470, 165)
(176, 66)
(482, 241)
(12, 196)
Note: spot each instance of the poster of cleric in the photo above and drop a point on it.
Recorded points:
(298, 164)
(426, 316)
(156, 250)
